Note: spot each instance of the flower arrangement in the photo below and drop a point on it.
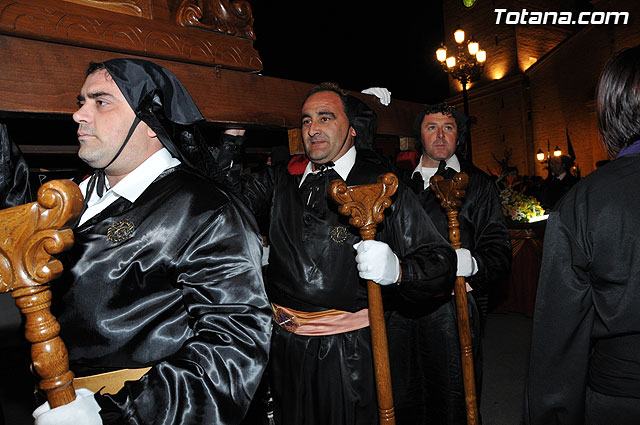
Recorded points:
(518, 206)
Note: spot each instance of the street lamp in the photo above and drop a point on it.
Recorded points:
(544, 158)
(465, 66)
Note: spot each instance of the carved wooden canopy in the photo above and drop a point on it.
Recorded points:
(46, 45)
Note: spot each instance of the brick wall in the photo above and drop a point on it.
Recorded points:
(522, 110)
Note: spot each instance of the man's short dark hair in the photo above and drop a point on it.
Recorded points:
(334, 88)
(618, 100)
(95, 66)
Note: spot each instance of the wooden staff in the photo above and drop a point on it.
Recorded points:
(451, 194)
(365, 205)
(30, 234)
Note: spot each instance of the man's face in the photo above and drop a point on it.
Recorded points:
(325, 127)
(555, 163)
(439, 134)
(104, 118)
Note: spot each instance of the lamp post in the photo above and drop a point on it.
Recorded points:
(466, 66)
(545, 158)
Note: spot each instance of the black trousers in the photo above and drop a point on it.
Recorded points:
(426, 367)
(322, 380)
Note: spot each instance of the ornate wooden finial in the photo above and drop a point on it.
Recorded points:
(451, 194)
(365, 204)
(30, 235)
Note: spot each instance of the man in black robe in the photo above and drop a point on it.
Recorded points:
(425, 349)
(321, 366)
(585, 349)
(165, 270)
(558, 182)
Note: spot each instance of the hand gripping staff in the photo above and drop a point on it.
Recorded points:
(451, 194)
(365, 205)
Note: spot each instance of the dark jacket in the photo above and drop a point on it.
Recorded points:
(171, 281)
(483, 230)
(312, 260)
(586, 325)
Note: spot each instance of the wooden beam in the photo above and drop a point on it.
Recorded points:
(86, 23)
(43, 77)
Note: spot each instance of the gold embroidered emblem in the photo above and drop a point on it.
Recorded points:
(339, 234)
(285, 319)
(120, 231)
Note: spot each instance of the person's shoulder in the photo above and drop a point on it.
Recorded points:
(372, 164)
(614, 177)
(188, 185)
(477, 176)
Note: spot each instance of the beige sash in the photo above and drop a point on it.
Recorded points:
(109, 382)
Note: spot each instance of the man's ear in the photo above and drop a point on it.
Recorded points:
(152, 134)
(352, 132)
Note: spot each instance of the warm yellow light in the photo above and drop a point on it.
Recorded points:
(451, 62)
(473, 47)
(481, 56)
(540, 155)
(459, 36)
(557, 151)
(441, 54)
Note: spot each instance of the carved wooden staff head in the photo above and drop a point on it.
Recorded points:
(31, 235)
(365, 204)
(451, 193)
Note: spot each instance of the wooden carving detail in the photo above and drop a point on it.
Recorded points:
(128, 35)
(29, 236)
(451, 194)
(233, 17)
(365, 207)
(129, 7)
(365, 204)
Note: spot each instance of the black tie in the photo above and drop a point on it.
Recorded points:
(314, 187)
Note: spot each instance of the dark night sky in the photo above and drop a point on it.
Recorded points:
(354, 44)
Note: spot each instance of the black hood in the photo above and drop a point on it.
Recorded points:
(160, 100)
(364, 120)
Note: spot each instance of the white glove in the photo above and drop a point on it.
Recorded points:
(265, 255)
(381, 93)
(83, 410)
(467, 265)
(377, 262)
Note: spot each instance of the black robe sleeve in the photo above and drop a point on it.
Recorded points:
(179, 289)
(491, 244)
(214, 374)
(14, 173)
(562, 331)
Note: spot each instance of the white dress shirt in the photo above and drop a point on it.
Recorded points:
(342, 166)
(131, 186)
(428, 172)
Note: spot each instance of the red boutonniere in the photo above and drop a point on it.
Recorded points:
(297, 164)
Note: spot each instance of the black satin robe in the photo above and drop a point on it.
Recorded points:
(586, 325)
(14, 173)
(172, 281)
(312, 267)
(424, 345)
